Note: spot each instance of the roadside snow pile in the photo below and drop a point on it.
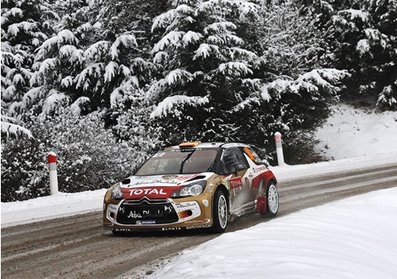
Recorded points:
(352, 238)
(344, 166)
(352, 132)
(49, 207)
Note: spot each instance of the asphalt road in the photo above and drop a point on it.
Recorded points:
(78, 247)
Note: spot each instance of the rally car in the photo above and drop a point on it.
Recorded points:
(192, 185)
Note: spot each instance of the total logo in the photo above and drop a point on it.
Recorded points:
(137, 192)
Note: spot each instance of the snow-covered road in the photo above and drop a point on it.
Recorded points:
(68, 247)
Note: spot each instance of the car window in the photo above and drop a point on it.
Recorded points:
(200, 161)
(255, 152)
(179, 161)
(232, 160)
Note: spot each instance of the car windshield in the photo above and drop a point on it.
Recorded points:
(179, 162)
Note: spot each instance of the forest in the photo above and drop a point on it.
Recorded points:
(105, 83)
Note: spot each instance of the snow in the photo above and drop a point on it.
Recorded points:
(351, 238)
(322, 76)
(160, 57)
(64, 37)
(53, 101)
(173, 38)
(73, 54)
(115, 98)
(164, 19)
(93, 70)
(361, 14)
(24, 26)
(178, 76)
(76, 106)
(67, 81)
(111, 71)
(18, 79)
(191, 37)
(386, 97)
(14, 129)
(234, 68)
(97, 50)
(342, 165)
(66, 204)
(330, 241)
(184, 9)
(353, 132)
(374, 35)
(169, 104)
(49, 207)
(363, 46)
(125, 40)
(219, 27)
(205, 51)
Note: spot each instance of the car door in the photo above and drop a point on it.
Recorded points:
(236, 168)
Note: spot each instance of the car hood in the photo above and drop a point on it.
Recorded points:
(157, 186)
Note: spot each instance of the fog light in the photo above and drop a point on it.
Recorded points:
(185, 214)
(205, 202)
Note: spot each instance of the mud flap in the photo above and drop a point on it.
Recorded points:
(261, 205)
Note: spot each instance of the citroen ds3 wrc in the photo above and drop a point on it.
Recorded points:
(193, 185)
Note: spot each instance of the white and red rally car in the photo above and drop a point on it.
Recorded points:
(193, 185)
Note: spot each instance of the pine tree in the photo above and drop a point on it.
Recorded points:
(362, 36)
(206, 68)
(24, 26)
(218, 87)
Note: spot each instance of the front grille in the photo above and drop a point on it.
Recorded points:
(145, 200)
(146, 213)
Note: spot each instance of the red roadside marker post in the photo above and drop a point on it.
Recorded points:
(279, 149)
(52, 166)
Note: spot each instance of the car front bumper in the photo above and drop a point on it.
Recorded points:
(167, 214)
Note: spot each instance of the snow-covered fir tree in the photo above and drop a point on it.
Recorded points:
(362, 37)
(207, 69)
(88, 64)
(218, 87)
(25, 24)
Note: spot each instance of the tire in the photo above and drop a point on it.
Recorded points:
(272, 199)
(220, 212)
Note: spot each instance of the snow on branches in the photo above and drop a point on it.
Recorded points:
(171, 105)
(53, 44)
(10, 127)
(125, 40)
(314, 82)
(234, 69)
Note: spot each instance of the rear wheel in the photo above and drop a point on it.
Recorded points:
(220, 212)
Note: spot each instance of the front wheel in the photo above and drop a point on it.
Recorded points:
(272, 200)
(220, 212)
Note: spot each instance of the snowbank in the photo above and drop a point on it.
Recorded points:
(344, 165)
(352, 238)
(49, 207)
(351, 132)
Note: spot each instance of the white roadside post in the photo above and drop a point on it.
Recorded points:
(52, 166)
(279, 149)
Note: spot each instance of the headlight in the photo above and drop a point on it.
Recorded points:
(116, 192)
(193, 189)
